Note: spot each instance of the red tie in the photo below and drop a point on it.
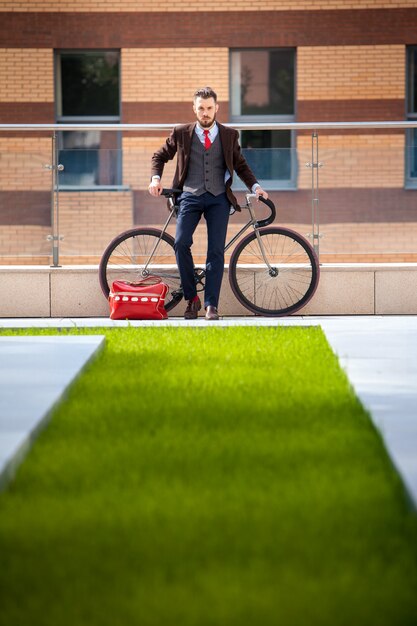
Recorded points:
(207, 140)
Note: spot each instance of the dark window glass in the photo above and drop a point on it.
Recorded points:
(263, 89)
(412, 80)
(268, 153)
(411, 135)
(263, 82)
(88, 87)
(89, 83)
(266, 139)
(90, 158)
(412, 154)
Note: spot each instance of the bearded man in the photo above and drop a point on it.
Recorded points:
(208, 155)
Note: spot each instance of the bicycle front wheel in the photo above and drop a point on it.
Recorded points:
(275, 275)
(128, 256)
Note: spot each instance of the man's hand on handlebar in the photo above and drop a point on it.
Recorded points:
(260, 192)
(155, 187)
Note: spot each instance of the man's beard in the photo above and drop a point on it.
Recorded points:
(207, 123)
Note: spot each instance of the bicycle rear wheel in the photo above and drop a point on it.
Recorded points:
(287, 284)
(126, 256)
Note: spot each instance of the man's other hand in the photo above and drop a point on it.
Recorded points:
(155, 188)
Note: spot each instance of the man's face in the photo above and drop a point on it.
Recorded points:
(205, 110)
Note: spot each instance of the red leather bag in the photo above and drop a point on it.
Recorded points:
(138, 301)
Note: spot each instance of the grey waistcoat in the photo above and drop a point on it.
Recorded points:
(206, 168)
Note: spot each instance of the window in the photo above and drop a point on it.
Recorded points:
(88, 90)
(263, 90)
(411, 172)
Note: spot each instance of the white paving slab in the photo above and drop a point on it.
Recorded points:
(379, 354)
(34, 373)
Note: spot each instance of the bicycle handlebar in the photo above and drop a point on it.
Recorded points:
(268, 220)
(170, 192)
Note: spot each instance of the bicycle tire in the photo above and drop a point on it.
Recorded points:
(125, 257)
(292, 281)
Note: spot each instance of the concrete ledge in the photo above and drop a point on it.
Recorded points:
(344, 289)
(25, 290)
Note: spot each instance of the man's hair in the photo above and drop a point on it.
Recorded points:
(205, 92)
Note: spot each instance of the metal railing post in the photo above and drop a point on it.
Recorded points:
(55, 237)
(315, 165)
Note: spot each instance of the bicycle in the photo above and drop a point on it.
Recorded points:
(273, 271)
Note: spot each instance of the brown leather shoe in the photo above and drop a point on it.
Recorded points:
(193, 307)
(211, 313)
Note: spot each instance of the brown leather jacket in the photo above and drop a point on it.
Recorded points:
(179, 143)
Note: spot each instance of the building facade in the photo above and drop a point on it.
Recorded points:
(272, 61)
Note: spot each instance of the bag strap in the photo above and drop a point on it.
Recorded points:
(148, 280)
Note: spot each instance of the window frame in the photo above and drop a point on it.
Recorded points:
(87, 119)
(411, 54)
(272, 184)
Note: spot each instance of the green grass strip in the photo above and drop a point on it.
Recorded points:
(208, 477)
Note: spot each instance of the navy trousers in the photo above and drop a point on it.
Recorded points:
(216, 213)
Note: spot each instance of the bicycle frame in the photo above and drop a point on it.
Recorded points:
(255, 225)
(252, 222)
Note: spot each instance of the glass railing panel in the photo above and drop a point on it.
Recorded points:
(91, 215)
(25, 200)
(366, 213)
(366, 190)
(94, 205)
(108, 198)
(276, 169)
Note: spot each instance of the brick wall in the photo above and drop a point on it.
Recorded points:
(26, 75)
(151, 74)
(391, 242)
(22, 163)
(350, 66)
(199, 29)
(350, 72)
(196, 5)
(137, 154)
(354, 161)
(24, 244)
(89, 220)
